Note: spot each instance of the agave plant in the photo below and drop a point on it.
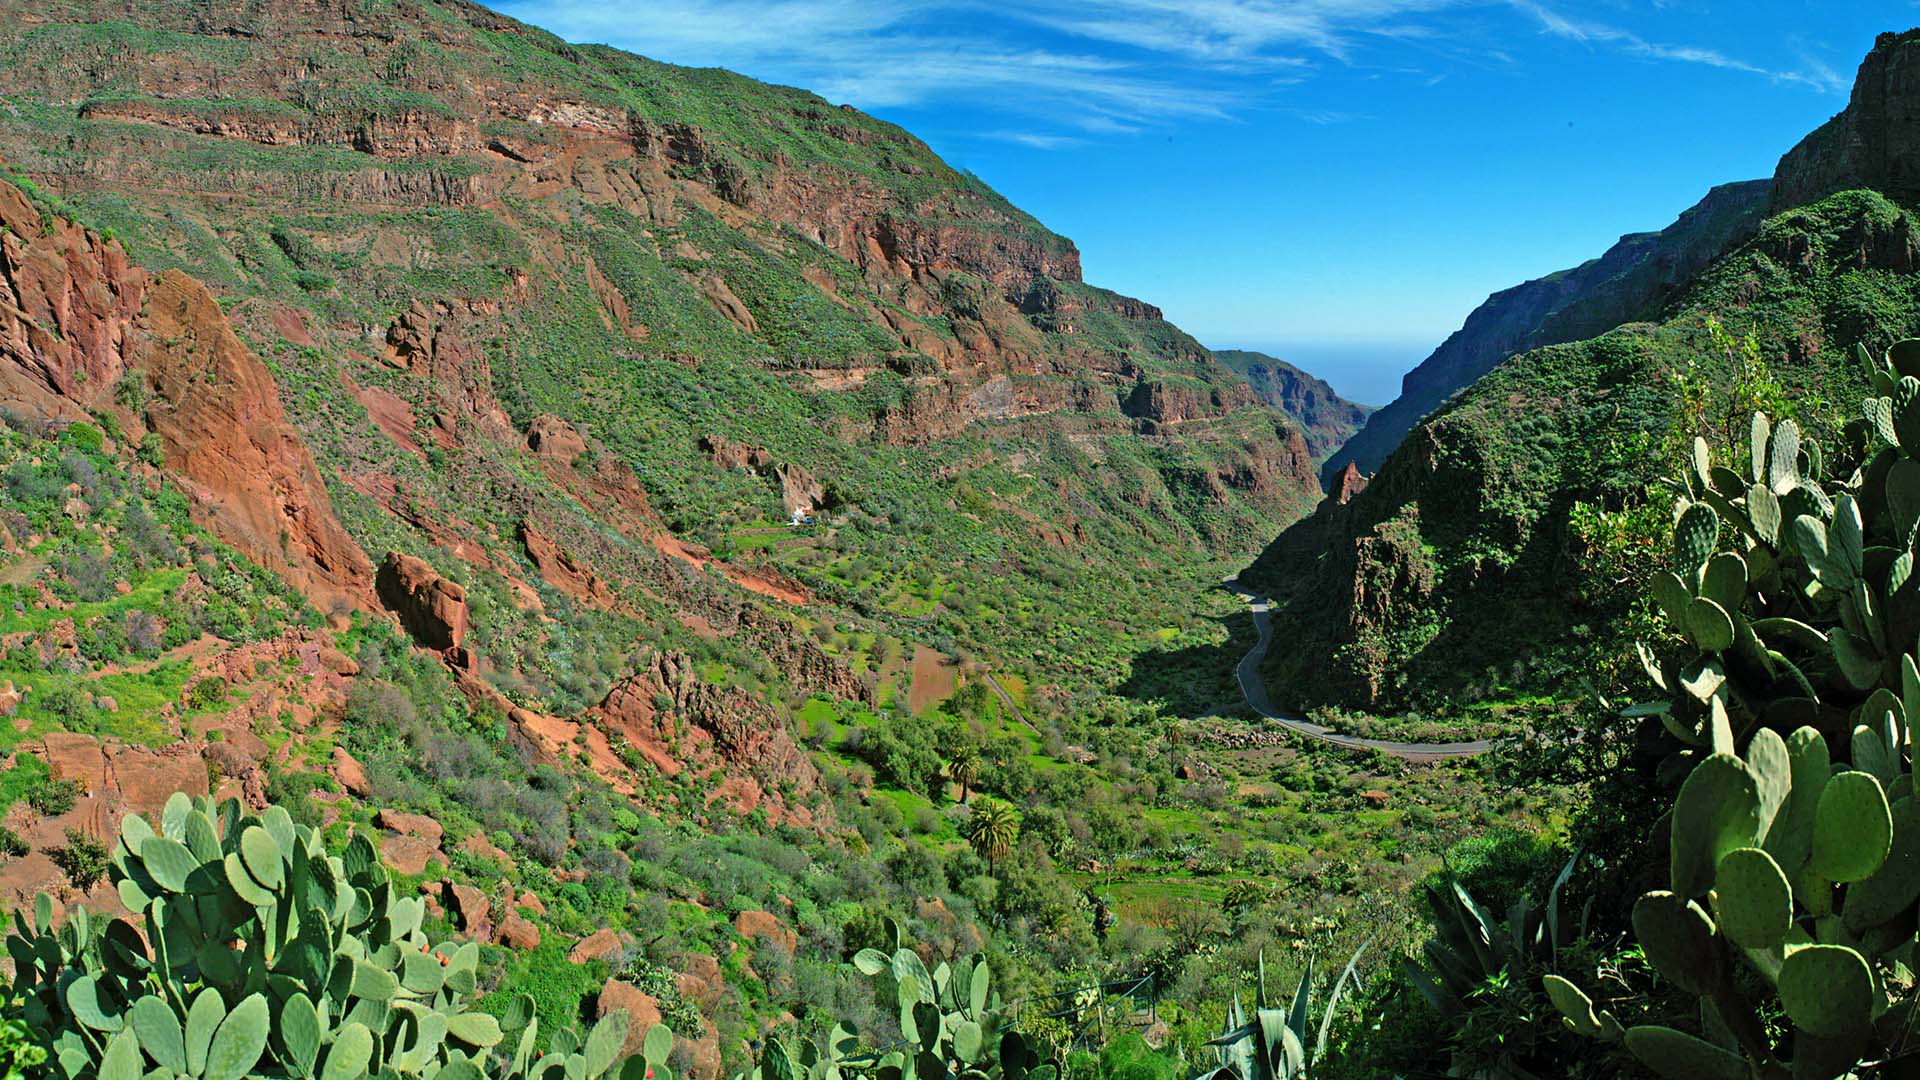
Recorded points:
(1273, 1045)
(254, 952)
(1470, 947)
(1794, 867)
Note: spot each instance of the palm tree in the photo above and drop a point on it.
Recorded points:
(964, 768)
(991, 830)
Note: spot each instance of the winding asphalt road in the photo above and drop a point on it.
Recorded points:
(1254, 689)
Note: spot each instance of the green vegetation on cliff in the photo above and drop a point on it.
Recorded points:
(1480, 563)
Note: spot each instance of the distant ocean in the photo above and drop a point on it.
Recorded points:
(1367, 372)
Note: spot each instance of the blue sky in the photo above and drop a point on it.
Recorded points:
(1336, 180)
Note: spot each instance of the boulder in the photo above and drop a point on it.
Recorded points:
(554, 438)
(704, 1052)
(479, 844)
(419, 825)
(701, 981)
(765, 924)
(410, 855)
(515, 932)
(350, 773)
(433, 609)
(643, 1012)
(143, 779)
(338, 662)
(602, 944)
(469, 905)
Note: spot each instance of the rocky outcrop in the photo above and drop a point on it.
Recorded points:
(1168, 401)
(76, 318)
(555, 439)
(563, 571)
(1348, 485)
(1632, 281)
(431, 608)
(351, 775)
(602, 944)
(800, 491)
(801, 660)
(668, 712)
(517, 933)
(1873, 143)
(757, 925)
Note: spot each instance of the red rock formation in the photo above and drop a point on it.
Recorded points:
(1349, 484)
(433, 609)
(469, 906)
(554, 438)
(76, 316)
(801, 660)
(800, 491)
(564, 572)
(420, 825)
(642, 1009)
(602, 944)
(717, 729)
(350, 773)
(515, 932)
(754, 925)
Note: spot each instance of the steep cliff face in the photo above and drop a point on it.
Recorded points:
(1873, 143)
(1457, 557)
(1326, 419)
(1632, 281)
(84, 330)
(1454, 572)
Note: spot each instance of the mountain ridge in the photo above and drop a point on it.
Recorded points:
(1460, 549)
(1630, 281)
(1325, 418)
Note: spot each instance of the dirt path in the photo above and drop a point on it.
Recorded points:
(1012, 705)
(1254, 689)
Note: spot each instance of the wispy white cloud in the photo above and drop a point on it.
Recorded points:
(1035, 139)
(1810, 73)
(1071, 70)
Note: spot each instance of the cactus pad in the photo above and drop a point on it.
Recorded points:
(1753, 899)
(1694, 537)
(1680, 1056)
(1852, 828)
(1678, 939)
(1827, 990)
(1718, 810)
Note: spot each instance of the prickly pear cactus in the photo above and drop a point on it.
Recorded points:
(1794, 867)
(252, 951)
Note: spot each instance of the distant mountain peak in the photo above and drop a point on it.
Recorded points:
(1630, 281)
(1325, 418)
(1873, 143)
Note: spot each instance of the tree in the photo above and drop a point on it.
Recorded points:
(992, 830)
(963, 765)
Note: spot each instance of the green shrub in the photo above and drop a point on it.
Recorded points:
(53, 797)
(20, 1055)
(83, 860)
(207, 693)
